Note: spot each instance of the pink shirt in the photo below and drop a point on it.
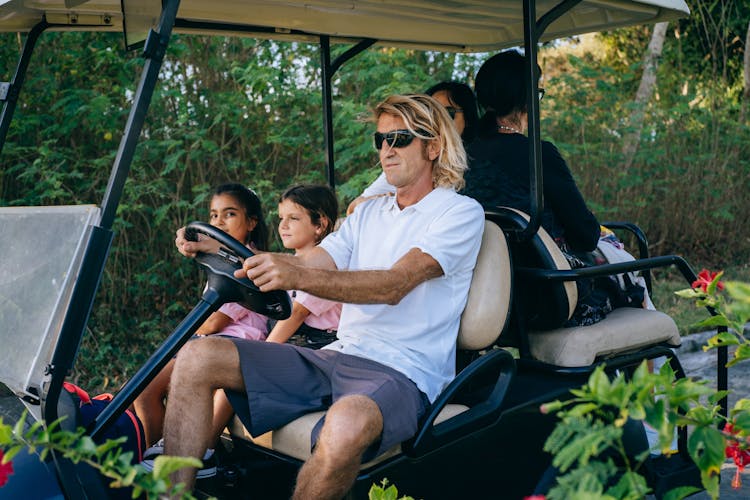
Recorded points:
(324, 314)
(246, 324)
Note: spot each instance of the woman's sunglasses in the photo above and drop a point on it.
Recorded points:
(394, 138)
(453, 111)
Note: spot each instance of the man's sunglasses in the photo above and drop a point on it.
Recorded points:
(394, 139)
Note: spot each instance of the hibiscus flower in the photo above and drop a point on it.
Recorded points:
(5, 469)
(705, 278)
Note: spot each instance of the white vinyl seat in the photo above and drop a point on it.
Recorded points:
(484, 318)
(623, 330)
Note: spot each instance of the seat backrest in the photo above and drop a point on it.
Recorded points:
(546, 305)
(488, 306)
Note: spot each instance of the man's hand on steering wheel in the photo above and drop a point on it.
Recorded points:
(271, 271)
(222, 256)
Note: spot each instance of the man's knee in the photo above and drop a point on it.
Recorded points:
(354, 422)
(202, 358)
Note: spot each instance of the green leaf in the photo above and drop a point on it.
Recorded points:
(18, 428)
(582, 409)
(742, 420)
(680, 492)
(6, 434)
(740, 354)
(630, 486)
(11, 452)
(706, 448)
(712, 321)
(738, 290)
(599, 383)
(164, 465)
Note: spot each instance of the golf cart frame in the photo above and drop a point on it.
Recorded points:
(538, 23)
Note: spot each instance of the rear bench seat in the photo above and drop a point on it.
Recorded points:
(624, 330)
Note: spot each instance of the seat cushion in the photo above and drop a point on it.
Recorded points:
(623, 330)
(294, 438)
(488, 305)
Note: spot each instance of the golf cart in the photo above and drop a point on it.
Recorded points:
(483, 436)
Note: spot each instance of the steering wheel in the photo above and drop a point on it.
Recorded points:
(220, 268)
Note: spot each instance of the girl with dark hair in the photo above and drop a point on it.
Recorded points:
(458, 99)
(236, 210)
(307, 214)
(246, 198)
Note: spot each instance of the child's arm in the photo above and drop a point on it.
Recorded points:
(286, 328)
(214, 324)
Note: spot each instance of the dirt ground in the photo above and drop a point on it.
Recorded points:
(697, 364)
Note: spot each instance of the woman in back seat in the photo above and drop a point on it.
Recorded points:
(499, 172)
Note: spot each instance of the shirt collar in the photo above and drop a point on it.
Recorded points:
(430, 202)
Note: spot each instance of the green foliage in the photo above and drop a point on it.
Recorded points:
(107, 458)
(588, 446)
(385, 492)
(587, 443)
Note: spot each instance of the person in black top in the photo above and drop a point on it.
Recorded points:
(498, 175)
(499, 165)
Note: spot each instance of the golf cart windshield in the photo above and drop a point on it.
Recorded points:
(42, 249)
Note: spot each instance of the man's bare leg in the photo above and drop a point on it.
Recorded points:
(202, 367)
(352, 424)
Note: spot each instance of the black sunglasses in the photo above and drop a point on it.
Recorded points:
(394, 138)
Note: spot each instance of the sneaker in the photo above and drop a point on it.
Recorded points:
(209, 460)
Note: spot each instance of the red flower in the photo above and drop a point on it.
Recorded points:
(5, 469)
(705, 278)
(740, 455)
(535, 497)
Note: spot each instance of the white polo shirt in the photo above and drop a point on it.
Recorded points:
(418, 335)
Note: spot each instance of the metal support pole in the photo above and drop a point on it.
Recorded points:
(327, 70)
(154, 50)
(326, 75)
(14, 89)
(536, 180)
(532, 32)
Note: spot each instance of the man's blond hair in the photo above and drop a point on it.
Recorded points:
(427, 119)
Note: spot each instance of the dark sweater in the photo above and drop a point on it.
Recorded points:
(499, 176)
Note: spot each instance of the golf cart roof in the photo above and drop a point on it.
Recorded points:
(465, 26)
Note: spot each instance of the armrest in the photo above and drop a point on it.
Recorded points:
(431, 436)
(608, 269)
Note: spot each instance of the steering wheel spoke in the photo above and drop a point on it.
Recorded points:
(220, 268)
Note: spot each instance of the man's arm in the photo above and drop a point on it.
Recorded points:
(316, 274)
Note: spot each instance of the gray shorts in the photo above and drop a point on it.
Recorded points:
(284, 382)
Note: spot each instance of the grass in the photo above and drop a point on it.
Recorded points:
(683, 311)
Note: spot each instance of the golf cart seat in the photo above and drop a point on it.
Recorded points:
(547, 303)
(484, 318)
